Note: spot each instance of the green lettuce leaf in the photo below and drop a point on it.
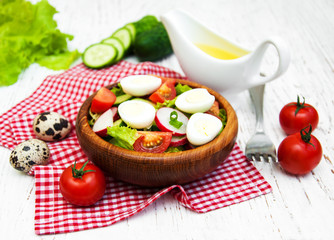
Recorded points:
(118, 90)
(59, 61)
(166, 103)
(29, 34)
(181, 88)
(175, 149)
(223, 116)
(123, 137)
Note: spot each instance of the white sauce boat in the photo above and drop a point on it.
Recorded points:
(227, 77)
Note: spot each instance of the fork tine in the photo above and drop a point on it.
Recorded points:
(253, 157)
(272, 158)
(259, 157)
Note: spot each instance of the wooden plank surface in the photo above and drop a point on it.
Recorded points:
(298, 208)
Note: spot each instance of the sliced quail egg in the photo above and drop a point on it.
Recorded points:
(29, 153)
(140, 85)
(195, 100)
(202, 128)
(136, 113)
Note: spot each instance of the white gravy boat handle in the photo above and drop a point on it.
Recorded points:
(283, 63)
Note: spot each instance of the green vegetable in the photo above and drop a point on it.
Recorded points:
(59, 61)
(152, 45)
(99, 55)
(29, 34)
(147, 38)
(223, 116)
(94, 117)
(166, 103)
(118, 45)
(124, 35)
(174, 149)
(122, 98)
(181, 88)
(173, 120)
(119, 122)
(145, 24)
(123, 137)
(145, 100)
(131, 27)
(118, 91)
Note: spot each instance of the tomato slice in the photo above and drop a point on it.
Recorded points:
(165, 92)
(103, 100)
(214, 110)
(171, 81)
(154, 142)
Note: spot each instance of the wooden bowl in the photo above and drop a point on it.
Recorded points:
(157, 169)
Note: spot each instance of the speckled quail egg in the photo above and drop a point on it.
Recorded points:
(51, 126)
(29, 153)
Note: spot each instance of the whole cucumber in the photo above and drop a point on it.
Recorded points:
(153, 44)
(144, 24)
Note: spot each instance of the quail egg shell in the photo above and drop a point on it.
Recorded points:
(51, 126)
(195, 100)
(29, 153)
(202, 128)
(140, 85)
(136, 113)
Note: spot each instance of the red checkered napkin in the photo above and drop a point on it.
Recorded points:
(234, 181)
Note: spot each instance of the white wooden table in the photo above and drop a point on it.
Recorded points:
(298, 208)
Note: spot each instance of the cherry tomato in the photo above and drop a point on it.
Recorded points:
(165, 92)
(299, 153)
(82, 184)
(296, 116)
(214, 110)
(154, 142)
(103, 100)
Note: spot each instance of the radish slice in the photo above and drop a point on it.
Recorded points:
(163, 118)
(178, 141)
(115, 113)
(104, 121)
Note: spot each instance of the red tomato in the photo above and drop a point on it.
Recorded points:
(214, 110)
(82, 184)
(154, 142)
(296, 116)
(103, 100)
(165, 92)
(299, 153)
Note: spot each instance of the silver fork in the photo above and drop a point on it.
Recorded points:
(259, 147)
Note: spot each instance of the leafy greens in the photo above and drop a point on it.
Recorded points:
(29, 34)
(123, 137)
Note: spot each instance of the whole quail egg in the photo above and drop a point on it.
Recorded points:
(51, 126)
(29, 153)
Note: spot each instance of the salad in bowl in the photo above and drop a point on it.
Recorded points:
(156, 131)
(147, 113)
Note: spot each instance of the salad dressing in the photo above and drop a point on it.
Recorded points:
(220, 53)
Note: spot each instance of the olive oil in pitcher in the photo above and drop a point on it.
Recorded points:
(219, 52)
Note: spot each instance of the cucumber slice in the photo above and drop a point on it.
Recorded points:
(99, 55)
(118, 45)
(122, 98)
(118, 122)
(124, 35)
(145, 100)
(131, 27)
